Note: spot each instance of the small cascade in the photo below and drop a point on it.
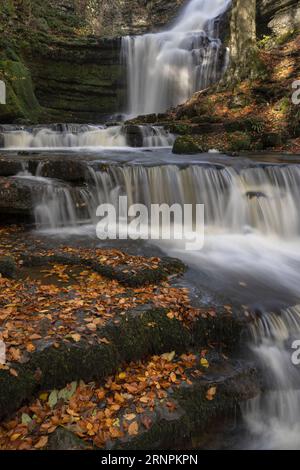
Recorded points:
(274, 417)
(60, 205)
(165, 69)
(260, 200)
(78, 136)
(65, 137)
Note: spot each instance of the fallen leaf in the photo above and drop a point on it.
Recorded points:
(204, 362)
(130, 416)
(211, 393)
(169, 356)
(133, 428)
(42, 442)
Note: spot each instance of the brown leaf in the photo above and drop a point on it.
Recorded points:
(43, 441)
(147, 421)
(133, 428)
(13, 372)
(211, 393)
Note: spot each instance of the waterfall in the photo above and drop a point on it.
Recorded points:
(165, 69)
(72, 136)
(258, 199)
(251, 253)
(274, 417)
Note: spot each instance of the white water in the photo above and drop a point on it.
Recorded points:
(87, 137)
(274, 417)
(253, 200)
(251, 253)
(165, 69)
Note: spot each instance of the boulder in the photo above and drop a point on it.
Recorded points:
(17, 195)
(8, 267)
(64, 169)
(278, 16)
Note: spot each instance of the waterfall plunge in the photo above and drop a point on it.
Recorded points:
(165, 69)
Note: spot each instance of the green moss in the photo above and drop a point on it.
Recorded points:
(21, 101)
(136, 335)
(286, 37)
(196, 416)
(187, 145)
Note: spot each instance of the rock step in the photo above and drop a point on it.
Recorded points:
(123, 274)
(133, 336)
(188, 415)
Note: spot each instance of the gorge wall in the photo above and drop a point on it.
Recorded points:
(60, 59)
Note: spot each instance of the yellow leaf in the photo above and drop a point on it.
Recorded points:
(122, 376)
(204, 362)
(44, 396)
(169, 356)
(173, 377)
(76, 337)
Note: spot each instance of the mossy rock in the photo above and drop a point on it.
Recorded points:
(62, 439)
(138, 334)
(186, 145)
(140, 277)
(195, 415)
(8, 267)
(21, 99)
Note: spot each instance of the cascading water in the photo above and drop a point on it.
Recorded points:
(72, 136)
(274, 417)
(165, 69)
(251, 252)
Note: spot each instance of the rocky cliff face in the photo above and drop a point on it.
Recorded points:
(278, 16)
(122, 17)
(60, 59)
(58, 66)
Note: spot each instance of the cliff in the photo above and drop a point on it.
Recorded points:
(61, 61)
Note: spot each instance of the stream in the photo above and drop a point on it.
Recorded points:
(251, 252)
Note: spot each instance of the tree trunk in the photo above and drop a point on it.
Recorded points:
(243, 49)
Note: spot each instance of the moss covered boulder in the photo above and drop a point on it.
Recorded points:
(187, 145)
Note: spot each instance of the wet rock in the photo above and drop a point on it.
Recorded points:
(132, 278)
(62, 439)
(196, 415)
(137, 334)
(187, 146)
(15, 197)
(9, 167)
(64, 169)
(8, 267)
(134, 135)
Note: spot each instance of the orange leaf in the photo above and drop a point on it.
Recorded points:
(42, 442)
(133, 429)
(211, 393)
